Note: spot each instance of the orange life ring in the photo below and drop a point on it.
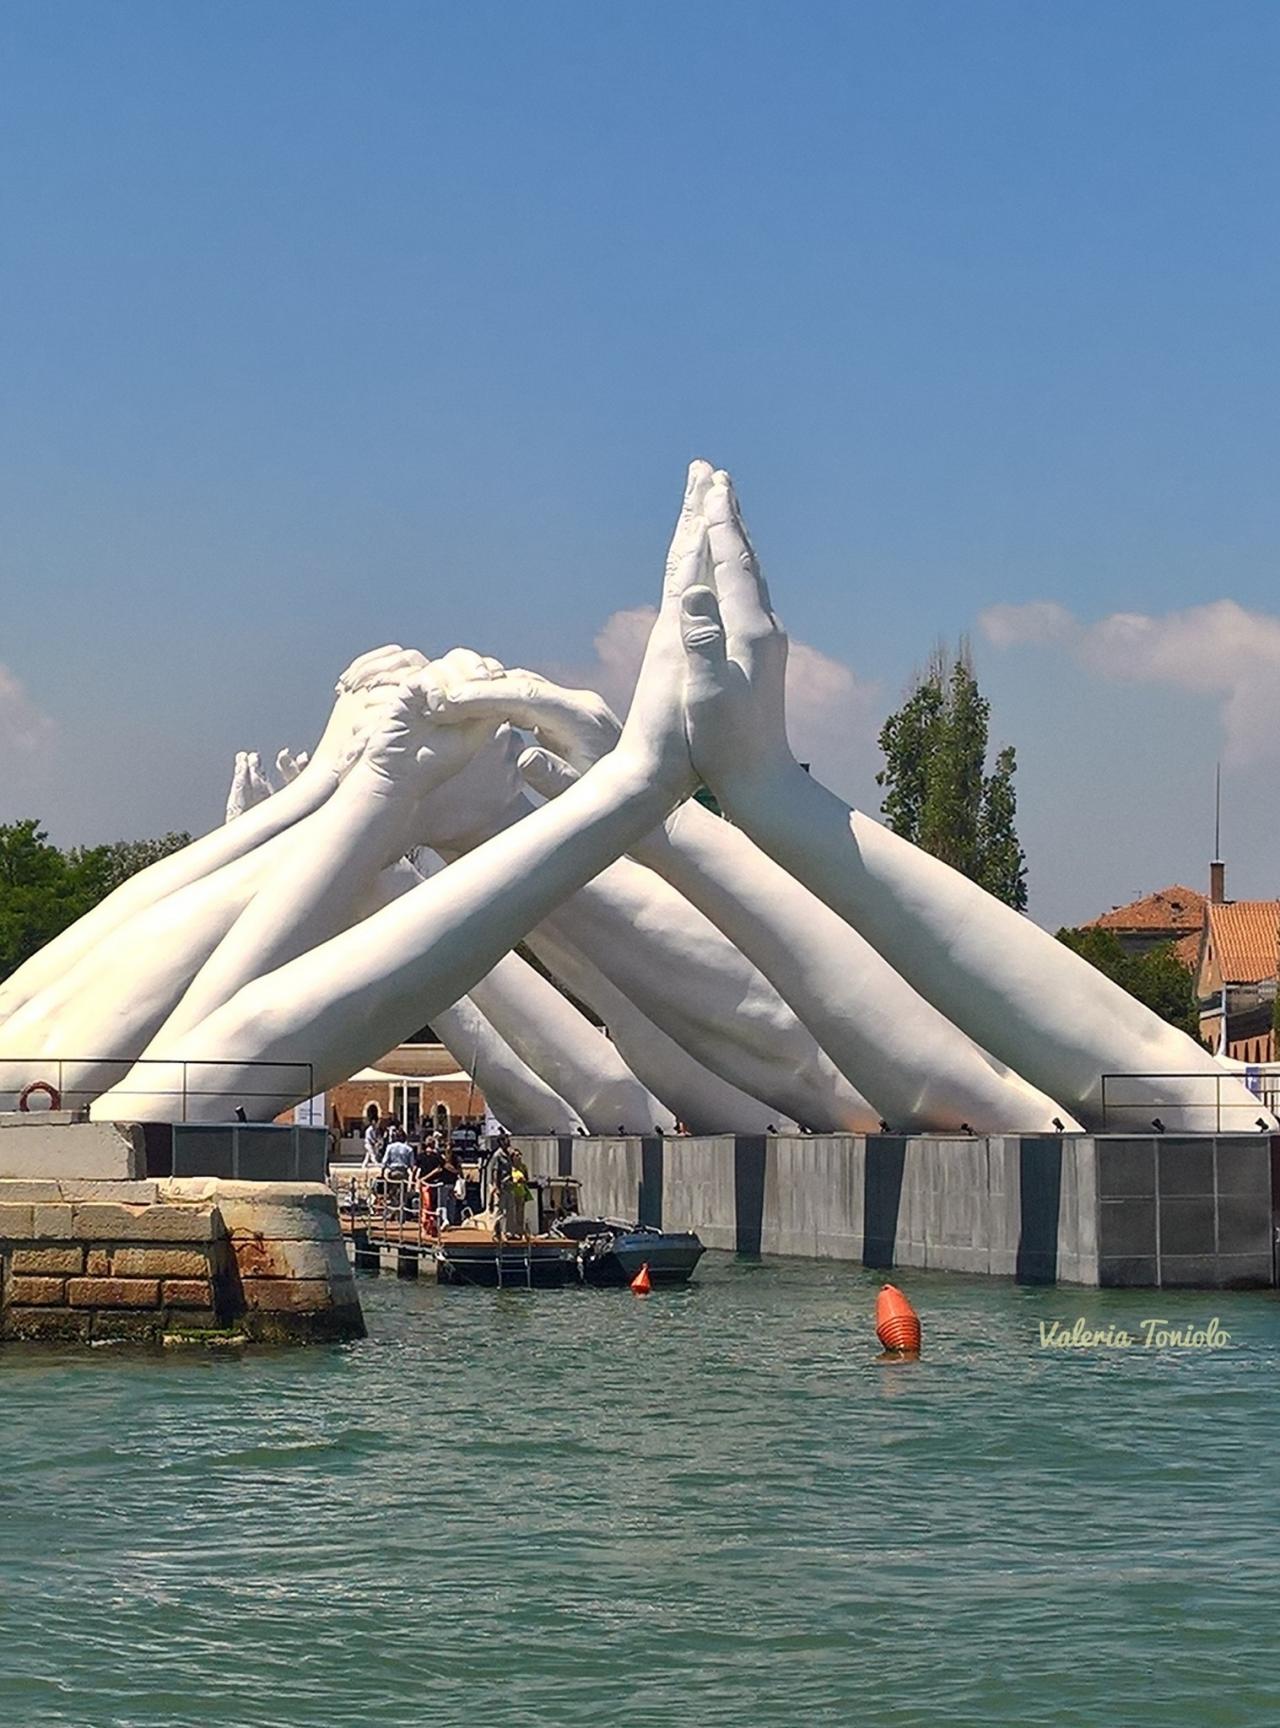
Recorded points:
(52, 1093)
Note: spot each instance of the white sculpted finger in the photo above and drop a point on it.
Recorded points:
(703, 634)
(689, 523)
(692, 569)
(509, 696)
(744, 594)
(461, 666)
(387, 665)
(548, 774)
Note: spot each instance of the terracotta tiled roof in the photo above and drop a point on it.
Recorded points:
(1175, 908)
(1245, 935)
(1187, 948)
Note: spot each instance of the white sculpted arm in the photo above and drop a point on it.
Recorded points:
(327, 877)
(642, 935)
(360, 689)
(571, 1055)
(318, 1018)
(919, 1072)
(520, 1099)
(695, 1096)
(1014, 989)
(548, 1035)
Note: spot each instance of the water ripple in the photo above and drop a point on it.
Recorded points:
(715, 1506)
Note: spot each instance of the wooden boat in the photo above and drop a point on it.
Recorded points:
(474, 1253)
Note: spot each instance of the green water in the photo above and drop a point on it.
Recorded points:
(711, 1506)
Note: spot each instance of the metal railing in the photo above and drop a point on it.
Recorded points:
(1139, 1103)
(41, 1081)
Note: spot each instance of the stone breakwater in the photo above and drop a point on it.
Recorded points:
(92, 1261)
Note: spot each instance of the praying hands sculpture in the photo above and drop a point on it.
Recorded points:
(799, 963)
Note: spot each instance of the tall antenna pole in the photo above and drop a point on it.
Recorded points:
(1217, 811)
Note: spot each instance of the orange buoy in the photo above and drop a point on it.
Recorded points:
(897, 1323)
(641, 1283)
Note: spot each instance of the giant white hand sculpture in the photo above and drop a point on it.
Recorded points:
(322, 885)
(289, 766)
(1015, 990)
(88, 1024)
(919, 1071)
(641, 935)
(360, 691)
(238, 796)
(358, 994)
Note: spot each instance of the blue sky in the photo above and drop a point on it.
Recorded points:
(326, 325)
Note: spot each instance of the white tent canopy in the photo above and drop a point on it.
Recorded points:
(369, 1075)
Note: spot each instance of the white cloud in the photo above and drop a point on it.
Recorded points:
(1220, 651)
(24, 728)
(830, 710)
(1037, 622)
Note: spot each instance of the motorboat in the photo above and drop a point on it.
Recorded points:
(612, 1251)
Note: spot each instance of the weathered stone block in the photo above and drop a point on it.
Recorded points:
(47, 1141)
(143, 1328)
(194, 1320)
(16, 1222)
(187, 1293)
(28, 1192)
(34, 1292)
(293, 1295)
(159, 1263)
(143, 1192)
(100, 1221)
(113, 1292)
(51, 1223)
(46, 1259)
(302, 1223)
(321, 1326)
(270, 1257)
(98, 1262)
(38, 1324)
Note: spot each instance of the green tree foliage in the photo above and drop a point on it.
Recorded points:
(43, 889)
(937, 791)
(1156, 977)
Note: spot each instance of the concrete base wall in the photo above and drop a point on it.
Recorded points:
(90, 1261)
(1073, 1209)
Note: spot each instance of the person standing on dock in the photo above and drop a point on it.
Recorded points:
(375, 1138)
(516, 1194)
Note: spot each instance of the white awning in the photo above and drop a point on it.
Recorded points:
(370, 1075)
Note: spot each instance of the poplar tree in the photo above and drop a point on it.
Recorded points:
(937, 791)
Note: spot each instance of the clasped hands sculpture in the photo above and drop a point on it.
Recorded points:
(796, 963)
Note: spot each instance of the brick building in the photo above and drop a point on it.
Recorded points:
(1236, 978)
(406, 1083)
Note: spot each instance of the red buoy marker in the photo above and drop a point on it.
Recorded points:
(642, 1283)
(897, 1323)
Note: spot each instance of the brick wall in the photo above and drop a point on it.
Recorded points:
(163, 1260)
